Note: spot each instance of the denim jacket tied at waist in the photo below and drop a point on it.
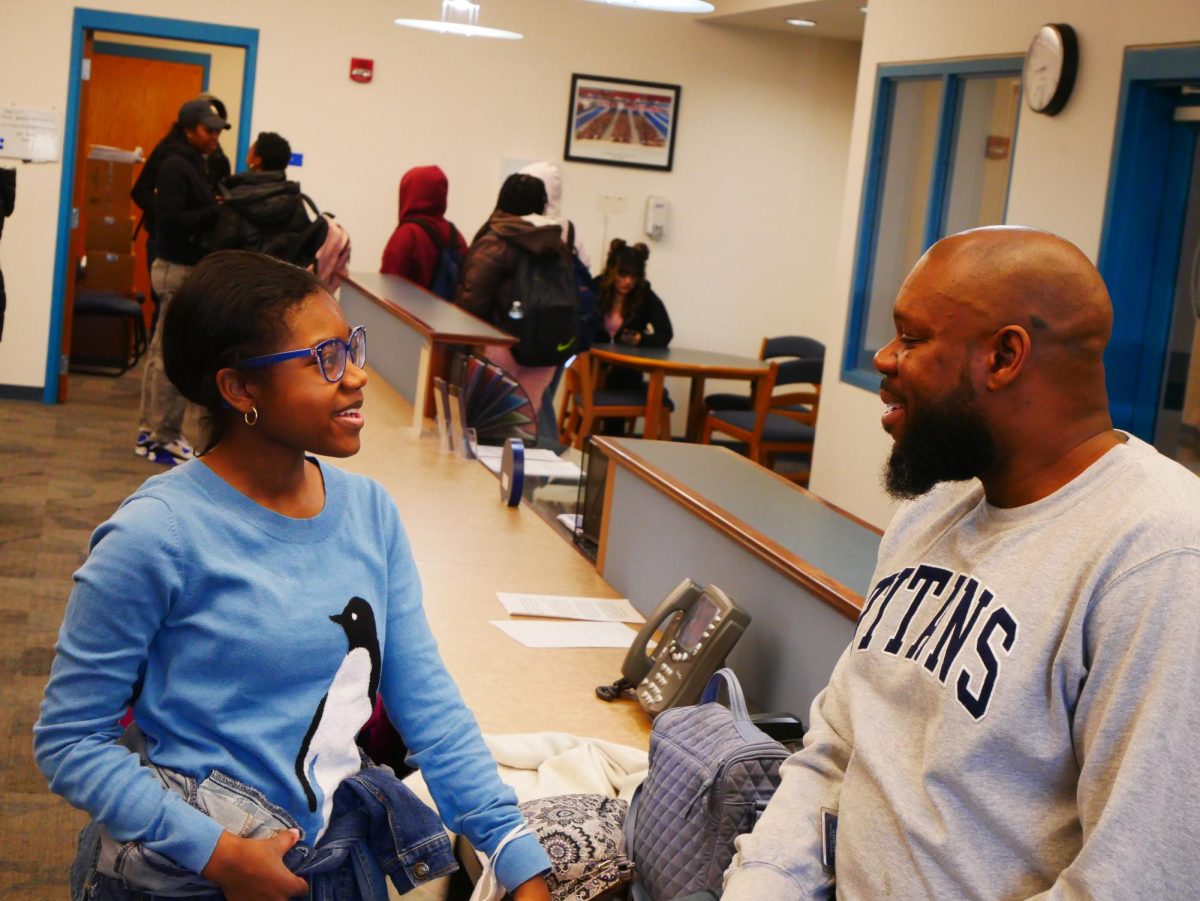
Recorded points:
(378, 827)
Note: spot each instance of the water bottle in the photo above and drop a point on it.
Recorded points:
(516, 311)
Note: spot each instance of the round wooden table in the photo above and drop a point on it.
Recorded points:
(696, 365)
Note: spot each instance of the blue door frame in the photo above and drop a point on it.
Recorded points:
(1143, 227)
(147, 26)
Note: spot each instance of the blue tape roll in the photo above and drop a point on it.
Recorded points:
(512, 471)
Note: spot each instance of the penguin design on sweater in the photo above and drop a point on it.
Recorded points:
(329, 753)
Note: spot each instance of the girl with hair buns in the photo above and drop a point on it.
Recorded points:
(633, 313)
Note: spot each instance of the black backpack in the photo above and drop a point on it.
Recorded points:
(142, 192)
(271, 219)
(544, 316)
(448, 269)
(590, 318)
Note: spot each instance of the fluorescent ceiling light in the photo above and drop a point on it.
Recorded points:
(801, 23)
(664, 6)
(478, 31)
(459, 17)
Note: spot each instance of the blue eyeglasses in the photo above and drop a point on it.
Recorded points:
(331, 355)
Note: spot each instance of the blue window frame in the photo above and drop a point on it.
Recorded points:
(934, 129)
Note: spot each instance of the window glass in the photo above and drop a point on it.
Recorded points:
(904, 201)
(987, 124)
(939, 160)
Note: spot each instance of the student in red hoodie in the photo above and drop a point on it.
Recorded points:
(423, 230)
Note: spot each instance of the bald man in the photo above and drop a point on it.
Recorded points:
(1018, 711)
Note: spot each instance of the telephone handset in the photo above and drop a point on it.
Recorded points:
(699, 627)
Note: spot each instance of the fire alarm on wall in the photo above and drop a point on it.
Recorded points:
(361, 70)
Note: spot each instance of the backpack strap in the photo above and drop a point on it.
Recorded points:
(737, 703)
(302, 249)
(428, 228)
(311, 205)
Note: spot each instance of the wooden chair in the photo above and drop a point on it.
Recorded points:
(585, 403)
(777, 424)
(801, 361)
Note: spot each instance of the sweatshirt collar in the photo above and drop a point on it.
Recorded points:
(284, 528)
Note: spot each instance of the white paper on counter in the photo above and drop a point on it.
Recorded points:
(539, 468)
(572, 522)
(543, 634)
(558, 606)
(496, 451)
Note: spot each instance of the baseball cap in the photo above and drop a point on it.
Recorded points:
(201, 112)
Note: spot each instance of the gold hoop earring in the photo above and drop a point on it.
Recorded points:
(246, 416)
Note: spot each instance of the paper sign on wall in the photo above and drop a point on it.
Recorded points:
(30, 134)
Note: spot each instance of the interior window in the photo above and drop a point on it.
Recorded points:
(941, 152)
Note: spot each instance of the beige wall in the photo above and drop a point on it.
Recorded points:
(1059, 179)
(759, 165)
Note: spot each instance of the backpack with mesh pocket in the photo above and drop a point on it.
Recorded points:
(712, 772)
(544, 315)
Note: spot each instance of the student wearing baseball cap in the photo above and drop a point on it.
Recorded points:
(180, 208)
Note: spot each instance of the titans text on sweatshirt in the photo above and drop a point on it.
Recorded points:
(1017, 711)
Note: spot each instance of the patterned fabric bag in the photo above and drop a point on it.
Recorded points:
(712, 772)
(583, 836)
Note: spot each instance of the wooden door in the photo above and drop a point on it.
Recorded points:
(133, 103)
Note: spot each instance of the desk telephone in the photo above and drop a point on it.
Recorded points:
(699, 627)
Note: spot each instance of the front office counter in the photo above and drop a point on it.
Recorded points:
(799, 566)
(409, 333)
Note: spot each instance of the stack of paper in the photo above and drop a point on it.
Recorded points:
(592, 622)
(540, 463)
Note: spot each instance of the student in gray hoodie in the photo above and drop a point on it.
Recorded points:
(1016, 713)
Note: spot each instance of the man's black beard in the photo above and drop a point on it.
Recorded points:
(947, 441)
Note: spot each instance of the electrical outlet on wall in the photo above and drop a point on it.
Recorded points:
(612, 203)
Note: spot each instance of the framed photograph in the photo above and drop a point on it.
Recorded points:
(618, 122)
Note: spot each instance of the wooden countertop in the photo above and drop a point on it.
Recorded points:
(468, 545)
(425, 312)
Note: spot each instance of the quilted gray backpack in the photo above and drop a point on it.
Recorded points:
(712, 772)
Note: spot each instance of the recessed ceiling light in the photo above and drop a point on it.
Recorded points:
(863, 10)
(801, 23)
(664, 6)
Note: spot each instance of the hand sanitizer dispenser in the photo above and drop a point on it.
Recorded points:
(656, 217)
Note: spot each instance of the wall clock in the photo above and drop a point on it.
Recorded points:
(1050, 66)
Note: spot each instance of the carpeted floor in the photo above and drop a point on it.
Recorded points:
(63, 470)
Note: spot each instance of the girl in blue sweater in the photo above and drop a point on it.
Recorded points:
(253, 601)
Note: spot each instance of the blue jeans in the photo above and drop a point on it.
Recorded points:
(547, 421)
(378, 829)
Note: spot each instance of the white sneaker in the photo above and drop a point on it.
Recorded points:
(143, 444)
(170, 454)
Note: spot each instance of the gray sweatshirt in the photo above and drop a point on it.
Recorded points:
(1018, 712)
